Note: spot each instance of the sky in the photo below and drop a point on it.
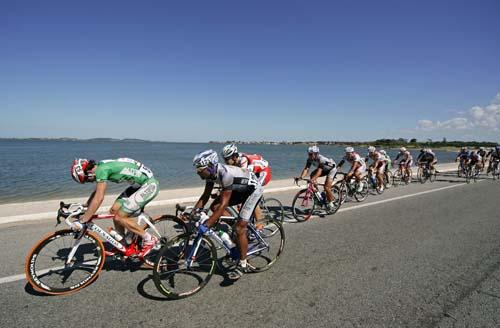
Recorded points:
(250, 70)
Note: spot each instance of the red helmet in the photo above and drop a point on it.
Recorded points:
(78, 169)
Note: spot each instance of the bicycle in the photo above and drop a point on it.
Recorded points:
(461, 171)
(185, 264)
(68, 260)
(425, 173)
(373, 182)
(306, 200)
(471, 173)
(401, 176)
(350, 188)
(495, 170)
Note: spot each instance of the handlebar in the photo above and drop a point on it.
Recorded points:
(69, 211)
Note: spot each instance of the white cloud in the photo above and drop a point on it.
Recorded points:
(486, 118)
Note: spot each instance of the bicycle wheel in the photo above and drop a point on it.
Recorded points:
(408, 178)
(272, 209)
(421, 175)
(46, 269)
(303, 205)
(265, 246)
(171, 274)
(387, 179)
(397, 178)
(361, 195)
(339, 194)
(433, 175)
(166, 227)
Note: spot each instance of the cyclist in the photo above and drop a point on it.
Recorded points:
(428, 157)
(358, 166)
(475, 160)
(254, 163)
(463, 156)
(238, 186)
(388, 160)
(406, 160)
(324, 167)
(133, 200)
(494, 159)
(482, 152)
(378, 165)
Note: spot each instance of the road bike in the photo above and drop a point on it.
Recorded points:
(351, 189)
(495, 170)
(401, 176)
(186, 264)
(309, 201)
(373, 182)
(68, 260)
(425, 173)
(471, 173)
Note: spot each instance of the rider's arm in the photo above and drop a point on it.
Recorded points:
(209, 186)
(98, 197)
(224, 202)
(317, 174)
(354, 167)
(339, 165)
(305, 170)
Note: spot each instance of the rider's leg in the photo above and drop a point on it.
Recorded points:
(124, 220)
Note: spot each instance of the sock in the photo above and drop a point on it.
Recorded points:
(243, 263)
(147, 236)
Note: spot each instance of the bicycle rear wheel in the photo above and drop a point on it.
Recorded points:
(272, 209)
(166, 227)
(303, 205)
(171, 274)
(265, 246)
(421, 175)
(46, 268)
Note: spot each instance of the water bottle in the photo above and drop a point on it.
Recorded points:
(323, 196)
(115, 234)
(372, 180)
(226, 239)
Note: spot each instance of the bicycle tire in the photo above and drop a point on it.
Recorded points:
(274, 235)
(397, 178)
(363, 194)
(421, 176)
(387, 179)
(432, 176)
(43, 280)
(301, 213)
(272, 208)
(340, 192)
(167, 273)
(168, 227)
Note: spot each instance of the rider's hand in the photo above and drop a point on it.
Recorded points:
(76, 226)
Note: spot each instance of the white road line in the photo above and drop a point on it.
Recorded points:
(22, 276)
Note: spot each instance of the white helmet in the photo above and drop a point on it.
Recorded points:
(383, 152)
(428, 150)
(229, 150)
(313, 149)
(402, 149)
(349, 150)
(371, 149)
(481, 148)
(207, 158)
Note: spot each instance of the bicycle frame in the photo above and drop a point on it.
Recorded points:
(91, 226)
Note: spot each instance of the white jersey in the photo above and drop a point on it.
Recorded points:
(355, 158)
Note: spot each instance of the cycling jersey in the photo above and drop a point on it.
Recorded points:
(122, 169)
(321, 162)
(475, 158)
(235, 178)
(376, 156)
(482, 153)
(426, 157)
(463, 155)
(257, 165)
(495, 155)
(145, 186)
(406, 157)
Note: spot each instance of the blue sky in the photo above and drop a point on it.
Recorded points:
(250, 70)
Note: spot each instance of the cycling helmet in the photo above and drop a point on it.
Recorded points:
(229, 150)
(497, 147)
(402, 149)
(78, 169)
(428, 150)
(371, 149)
(383, 152)
(207, 158)
(313, 149)
(464, 148)
(349, 150)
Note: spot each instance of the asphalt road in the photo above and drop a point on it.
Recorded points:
(428, 259)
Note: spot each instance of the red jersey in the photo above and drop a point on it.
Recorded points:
(257, 165)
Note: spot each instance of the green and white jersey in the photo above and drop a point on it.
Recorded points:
(122, 169)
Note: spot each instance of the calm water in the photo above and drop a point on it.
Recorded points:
(39, 170)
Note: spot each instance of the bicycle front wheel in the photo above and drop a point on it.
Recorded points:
(265, 246)
(361, 195)
(48, 267)
(272, 209)
(303, 205)
(174, 276)
(165, 228)
(421, 175)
